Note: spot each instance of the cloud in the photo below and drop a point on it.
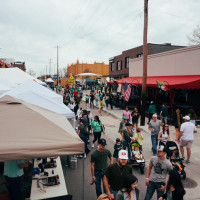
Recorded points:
(90, 30)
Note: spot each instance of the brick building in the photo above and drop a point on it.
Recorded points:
(96, 68)
(20, 65)
(119, 65)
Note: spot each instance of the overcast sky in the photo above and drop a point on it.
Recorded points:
(88, 30)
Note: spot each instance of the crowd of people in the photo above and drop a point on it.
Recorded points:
(116, 175)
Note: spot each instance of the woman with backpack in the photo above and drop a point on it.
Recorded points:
(96, 128)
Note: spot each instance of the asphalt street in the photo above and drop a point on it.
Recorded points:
(74, 179)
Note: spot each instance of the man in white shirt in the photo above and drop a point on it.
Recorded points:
(186, 137)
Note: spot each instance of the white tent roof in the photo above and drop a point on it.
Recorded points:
(8, 83)
(4, 88)
(39, 95)
(49, 80)
(28, 131)
(88, 74)
(17, 76)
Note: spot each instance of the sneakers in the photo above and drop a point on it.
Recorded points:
(187, 162)
(92, 145)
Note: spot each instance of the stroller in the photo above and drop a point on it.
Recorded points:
(137, 159)
(170, 148)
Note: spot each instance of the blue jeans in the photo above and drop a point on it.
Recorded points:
(91, 104)
(85, 140)
(14, 187)
(154, 140)
(151, 189)
(106, 101)
(99, 176)
(113, 192)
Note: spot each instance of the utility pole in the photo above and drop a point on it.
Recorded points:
(46, 73)
(50, 66)
(57, 65)
(145, 53)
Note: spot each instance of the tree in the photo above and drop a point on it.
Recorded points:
(31, 72)
(65, 71)
(194, 37)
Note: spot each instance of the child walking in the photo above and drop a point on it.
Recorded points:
(117, 148)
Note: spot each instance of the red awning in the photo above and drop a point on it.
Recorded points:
(176, 82)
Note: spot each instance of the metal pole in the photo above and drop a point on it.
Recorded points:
(57, 66)
(83, 178)
(145, 53)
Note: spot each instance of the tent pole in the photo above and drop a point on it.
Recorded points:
(83, 178)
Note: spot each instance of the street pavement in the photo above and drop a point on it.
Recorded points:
(111, 120)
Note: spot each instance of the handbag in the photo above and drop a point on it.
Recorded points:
(6, 194)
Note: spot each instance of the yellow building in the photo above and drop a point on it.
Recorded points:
(96, 68)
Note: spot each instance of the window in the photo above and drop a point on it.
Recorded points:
(139, 55)
(112, 66)
(127, 62)
(118, 65)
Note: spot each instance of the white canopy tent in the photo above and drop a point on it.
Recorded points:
(28, 131)
(49, 80)
(8, 83)
(17, 76)
(4, 88)
(39, 95)
(88, 74)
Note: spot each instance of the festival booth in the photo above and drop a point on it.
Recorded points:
(17, 76)
(177, 91)
(31, 132)
(39, 95)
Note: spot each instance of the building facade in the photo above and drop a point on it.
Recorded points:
(20, 65)
(179, 62)
(96, 68)
(119, 65)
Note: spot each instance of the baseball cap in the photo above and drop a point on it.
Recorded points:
(186, 117)
(161, 148)
(102, 142)
(123, 154)
(123, 117)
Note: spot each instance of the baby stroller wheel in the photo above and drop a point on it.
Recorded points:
(142, 170)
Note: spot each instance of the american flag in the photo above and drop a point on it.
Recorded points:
(127, 91)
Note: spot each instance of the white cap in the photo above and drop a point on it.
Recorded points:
(161, 148)
(186, 117)
(123, 154)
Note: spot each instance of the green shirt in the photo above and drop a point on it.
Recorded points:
(152, 108)
(72, 90)
(96, 126)
(116, 175)
(82, 129)
(11, 168)
(100, 159)
(139, 138)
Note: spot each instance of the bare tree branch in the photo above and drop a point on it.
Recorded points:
(194, 37)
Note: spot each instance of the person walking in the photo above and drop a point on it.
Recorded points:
(127, 114)
(175, 189)
(177, 121)
(97, 98)
(99, 164)
(154, 127)
(164, 135)
(193, 116)
(101, 107)
(186, 137)
(115, 174)
(117, 148)
(82, 132)
(107, 100)
(96, 128)
(135, 117)
(152, 110)
(129, 191)
(158, 169)
(111, 100)
(128, 137)
(164, 113)
(91, 100)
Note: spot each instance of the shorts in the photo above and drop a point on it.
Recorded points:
(87, 101)
(187, 143)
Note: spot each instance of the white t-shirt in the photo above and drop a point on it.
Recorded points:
(188, 129)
